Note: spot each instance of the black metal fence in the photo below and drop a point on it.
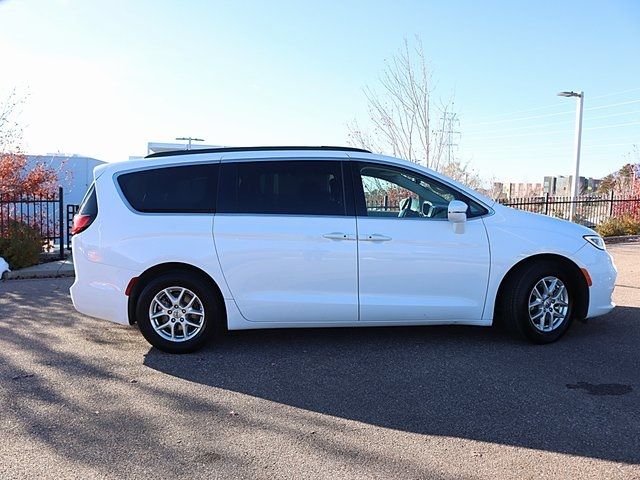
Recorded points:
(72, 209)
(44, 213)
(590, 210)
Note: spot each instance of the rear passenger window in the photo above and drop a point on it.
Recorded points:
(185, 189)
(282, 187)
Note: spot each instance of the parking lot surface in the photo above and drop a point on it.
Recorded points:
(83, 398)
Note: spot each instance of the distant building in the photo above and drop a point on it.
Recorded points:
(561, 186)
(517, 190)
(157, 147)
(549, 185)
(75, 172)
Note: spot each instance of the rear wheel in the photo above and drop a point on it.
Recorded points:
(539, 304)
(176, 312)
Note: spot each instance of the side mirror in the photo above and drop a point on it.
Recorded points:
(457, 214)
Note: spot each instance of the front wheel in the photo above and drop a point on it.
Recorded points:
(176, 313)
(539, 304)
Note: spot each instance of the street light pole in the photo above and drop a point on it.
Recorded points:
(575, 181)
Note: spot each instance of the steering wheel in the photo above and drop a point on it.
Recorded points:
(406, 210)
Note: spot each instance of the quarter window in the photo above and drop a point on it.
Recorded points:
(282, 187)
(184, 189)
(89, 204)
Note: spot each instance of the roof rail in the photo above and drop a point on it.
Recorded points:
(197, 151)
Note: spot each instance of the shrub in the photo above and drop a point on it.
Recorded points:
(20, 245)
(624, 225)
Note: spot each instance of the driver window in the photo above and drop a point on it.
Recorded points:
(390, 192)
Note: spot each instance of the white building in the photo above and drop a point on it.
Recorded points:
(75, 172)
(156, 147)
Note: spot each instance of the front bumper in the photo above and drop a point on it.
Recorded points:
(603, 273)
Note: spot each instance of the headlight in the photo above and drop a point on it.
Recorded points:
(595, 240)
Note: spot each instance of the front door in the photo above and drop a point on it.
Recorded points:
(286, 240)
(413, 267)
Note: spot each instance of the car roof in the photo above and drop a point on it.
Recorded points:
(272, 153)
(197, 151)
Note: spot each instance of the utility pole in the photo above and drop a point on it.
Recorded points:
(450, 122)
(190, 139)
(575, 181)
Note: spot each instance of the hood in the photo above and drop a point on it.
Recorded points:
(543, 222)
(540, 232)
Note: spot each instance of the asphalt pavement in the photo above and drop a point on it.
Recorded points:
(83, 398)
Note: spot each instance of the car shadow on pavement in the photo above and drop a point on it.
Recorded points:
(77, 402)
(578, 396)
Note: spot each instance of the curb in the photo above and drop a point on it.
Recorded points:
(622, 239)
(44, 270)
(17, 275)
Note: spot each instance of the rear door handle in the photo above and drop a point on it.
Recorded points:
(374, 237)
(338, 236)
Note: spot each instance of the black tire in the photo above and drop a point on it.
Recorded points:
(207, 299)
(515, 302)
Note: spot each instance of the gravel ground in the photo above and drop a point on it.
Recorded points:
(82, 398)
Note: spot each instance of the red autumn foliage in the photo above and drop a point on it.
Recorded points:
(628, 204)
(16, 180)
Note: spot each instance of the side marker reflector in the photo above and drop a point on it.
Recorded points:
(132, 283)
(587, 277)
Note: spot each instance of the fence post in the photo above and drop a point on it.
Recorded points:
(546, 203)
(61, 220)
(611, 204)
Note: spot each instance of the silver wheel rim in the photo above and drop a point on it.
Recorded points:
(176, 314)
(548, 304)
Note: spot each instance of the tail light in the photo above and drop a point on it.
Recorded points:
(80, 223)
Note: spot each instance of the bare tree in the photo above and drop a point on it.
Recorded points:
(17, 176)
(406, 121)
(10, 128)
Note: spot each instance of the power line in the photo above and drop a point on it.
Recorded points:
(612, 105)
(532, 134)
(527, 127)
(616, 93)
(523, 118)
(543, 107)
(598, 145)
(493, 146)
(558, 132)
(530, 147)
(612, 115)
(599, 107)
(613, 126)
(522, 127)
(556, 145)
(555, 114)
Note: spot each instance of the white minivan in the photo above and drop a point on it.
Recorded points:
(286, 237)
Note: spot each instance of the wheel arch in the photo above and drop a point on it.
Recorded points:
(167, 267)
(579, 283)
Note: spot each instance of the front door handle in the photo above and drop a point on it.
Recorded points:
(338, 236)
(375, 237)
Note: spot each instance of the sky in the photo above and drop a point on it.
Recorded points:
(104, 78)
